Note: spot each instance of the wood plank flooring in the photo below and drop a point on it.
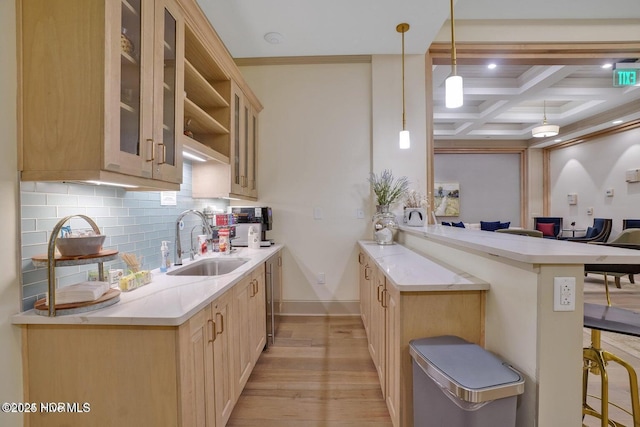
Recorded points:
(626, 347)
(318, 373)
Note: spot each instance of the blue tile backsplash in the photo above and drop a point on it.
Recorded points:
(134, 222)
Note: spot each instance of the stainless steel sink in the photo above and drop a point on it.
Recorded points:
(209, 267)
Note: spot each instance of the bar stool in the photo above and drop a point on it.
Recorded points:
(599, 318)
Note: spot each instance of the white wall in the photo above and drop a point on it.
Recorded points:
(314, 151)
(588, 170)
(322, 130)
(10, 368)
(387, 118)
(489, 185)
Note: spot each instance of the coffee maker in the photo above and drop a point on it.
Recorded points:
(247, 216)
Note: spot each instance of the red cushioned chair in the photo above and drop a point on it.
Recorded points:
(550, 226)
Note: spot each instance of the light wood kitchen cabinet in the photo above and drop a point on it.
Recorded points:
(397, 317)
(101, 91)
(238, 178)
(365, 286)
(242, 295)
(164, 376)
(377, 326)
(258, 313)
(197, 402)
(207, 95)
(244, 140)
(250, 335)
(222, 313)
(206, 356)
(391, 304)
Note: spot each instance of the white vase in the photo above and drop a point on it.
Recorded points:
(415, 217)
(385, 226)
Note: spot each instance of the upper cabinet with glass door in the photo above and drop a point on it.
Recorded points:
(102, 91)
(244, 145)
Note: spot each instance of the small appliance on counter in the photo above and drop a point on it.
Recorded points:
(251, 218)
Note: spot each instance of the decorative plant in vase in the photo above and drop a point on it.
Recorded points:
(415, 208)
(388, 190)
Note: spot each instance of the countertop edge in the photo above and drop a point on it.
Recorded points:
(109, 317)
(406, 258)
(531, 250)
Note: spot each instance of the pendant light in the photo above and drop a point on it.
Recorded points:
(453, 84)
(545, 130)
(405, 140)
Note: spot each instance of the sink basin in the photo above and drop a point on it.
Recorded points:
(209, 267)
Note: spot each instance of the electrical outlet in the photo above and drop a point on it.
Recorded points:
(564, 294)
(359, 213)
(321, 279)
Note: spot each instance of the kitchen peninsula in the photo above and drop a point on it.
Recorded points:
(177, 351)
(405, 296)
(520, 324)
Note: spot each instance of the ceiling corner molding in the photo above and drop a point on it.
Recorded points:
(304, 60)
(635, 124)
(533, 53)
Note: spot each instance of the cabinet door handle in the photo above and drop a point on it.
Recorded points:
(279, 261)
(367, 272)
(153, 157)
(360, 258)
(164, 154)
(221, 323)
(212, 327)
(384, 298)
(378, 291)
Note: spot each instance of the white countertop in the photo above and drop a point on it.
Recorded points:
(524, 248)
(411, 272)
(166, 301)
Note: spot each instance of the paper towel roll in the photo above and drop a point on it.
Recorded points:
(253, 238)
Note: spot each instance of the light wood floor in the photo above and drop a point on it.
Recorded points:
(623, 346)
(318, 373)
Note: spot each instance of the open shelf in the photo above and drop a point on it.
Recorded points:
(199, 90)
(201, 121)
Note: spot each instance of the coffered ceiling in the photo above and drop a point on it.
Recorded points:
(507, 102)
(501, 103)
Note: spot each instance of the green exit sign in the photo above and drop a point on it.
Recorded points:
(625, 77)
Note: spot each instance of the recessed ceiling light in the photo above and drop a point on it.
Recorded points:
(605, 66)
(616, 122)
(274, 38)
(491, 66)
(557, 140)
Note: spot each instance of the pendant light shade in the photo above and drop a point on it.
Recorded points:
(405, 140)
(545, 130)
(453, 88)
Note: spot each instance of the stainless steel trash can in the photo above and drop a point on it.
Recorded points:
(460, 384)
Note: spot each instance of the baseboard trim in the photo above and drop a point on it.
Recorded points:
(320, 308)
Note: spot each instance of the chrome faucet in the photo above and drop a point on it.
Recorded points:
(205, 225)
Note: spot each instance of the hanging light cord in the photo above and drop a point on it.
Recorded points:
(454, 65)
(403, 28)
(404, 119)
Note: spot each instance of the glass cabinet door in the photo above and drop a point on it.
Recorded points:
(237, 137)
(130, 77)
(168, 143)
(168, 97)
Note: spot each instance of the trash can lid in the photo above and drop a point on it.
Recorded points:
(468, 371)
